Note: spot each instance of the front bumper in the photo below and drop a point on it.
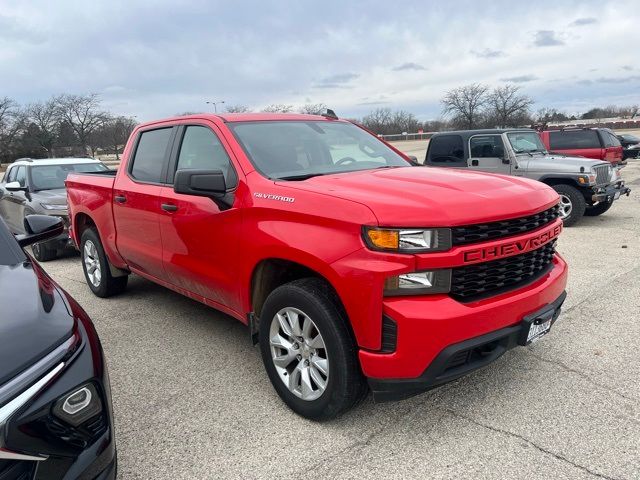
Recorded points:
(610, 193)
(38, 444)
(462, 358)
(426, 326)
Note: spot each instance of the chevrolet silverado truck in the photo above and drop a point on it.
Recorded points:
(352, 268)
(586, 187)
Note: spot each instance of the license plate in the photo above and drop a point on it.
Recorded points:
(616, 195)
(538, 330)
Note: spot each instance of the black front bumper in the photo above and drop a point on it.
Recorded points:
(609, 194)
(462, 358)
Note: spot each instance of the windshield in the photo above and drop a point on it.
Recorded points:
(51, 177)
(299, 150)
(525, 142)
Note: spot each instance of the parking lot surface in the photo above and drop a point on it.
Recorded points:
(192, 400)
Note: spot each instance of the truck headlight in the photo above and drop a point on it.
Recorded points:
(52, 206)
(418, 283)
(408, 240)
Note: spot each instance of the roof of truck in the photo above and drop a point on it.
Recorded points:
(486, 131)
(54, 161)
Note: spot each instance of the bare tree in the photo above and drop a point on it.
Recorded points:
(83, 114)
(11, 122)
(278, 108)
(113, 134)
(44, 116)
(313, 108)
(237, 109)
(507, 107)
(466, 104)
(379, 121)
(545, 115)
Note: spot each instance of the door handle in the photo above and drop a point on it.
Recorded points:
(168, 207)
(120, 199)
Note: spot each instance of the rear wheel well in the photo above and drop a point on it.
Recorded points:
(81, 223)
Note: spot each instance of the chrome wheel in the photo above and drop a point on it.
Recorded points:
(299, 354)
(92, 263)
(565, 206)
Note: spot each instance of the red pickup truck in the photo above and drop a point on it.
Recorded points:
(351, 267)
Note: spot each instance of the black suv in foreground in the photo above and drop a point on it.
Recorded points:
(55, 402)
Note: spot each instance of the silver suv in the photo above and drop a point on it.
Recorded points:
(37, 187)
(586, 187)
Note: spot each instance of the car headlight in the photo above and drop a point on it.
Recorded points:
(614, 174)
(408, 240)
(418, 283)
(53, 206)
(587, 179)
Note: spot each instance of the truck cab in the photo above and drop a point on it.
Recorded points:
(586, 186)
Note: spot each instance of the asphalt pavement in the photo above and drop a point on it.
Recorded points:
(192, 400)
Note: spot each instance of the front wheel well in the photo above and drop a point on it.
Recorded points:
(559, 181)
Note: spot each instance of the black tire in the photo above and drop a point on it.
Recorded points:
(578, 203)
(345, 386)
(108, 285)
(597, 209)
(43, 252)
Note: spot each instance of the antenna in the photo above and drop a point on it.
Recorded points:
(330, 114)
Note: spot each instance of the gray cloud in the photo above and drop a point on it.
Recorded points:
(488, 53)
(408, 66)
(630, 78)
(579, 22)
(339, 80)
(546, 38)
(628, 68)
(520, 78)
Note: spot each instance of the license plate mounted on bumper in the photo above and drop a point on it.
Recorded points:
(538, 324)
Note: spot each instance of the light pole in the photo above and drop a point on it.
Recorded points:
(215, 105)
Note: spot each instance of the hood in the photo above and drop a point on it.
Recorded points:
(55, 197)
(438, 197)
(546, 163)
(33, 318)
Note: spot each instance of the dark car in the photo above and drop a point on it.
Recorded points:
(630, 145)
(37, 187)
(55, 401)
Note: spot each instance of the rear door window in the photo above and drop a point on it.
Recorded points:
(21, 176)
(446, 149)
(574, 139)
(151, 157)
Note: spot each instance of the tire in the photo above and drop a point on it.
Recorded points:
(327, 344)
(597, 209)
(102, 284)
(43, 253)
(573, 201)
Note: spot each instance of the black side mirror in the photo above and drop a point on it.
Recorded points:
(506, 160)
(40, 228)
(204, 183)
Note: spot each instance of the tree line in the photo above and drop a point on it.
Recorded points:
(64, 125)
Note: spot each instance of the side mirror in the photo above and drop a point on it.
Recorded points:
(506, 160)
(40, 228)
(14, 187)
(204, 183)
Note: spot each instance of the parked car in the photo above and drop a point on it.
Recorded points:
(630, 144)
(586, 187)
(37, 186)
(596, 143)
(55, 401)
(346, 262)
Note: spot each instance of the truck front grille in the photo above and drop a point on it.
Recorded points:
(482, 280)
(602, 174)
(490, 231)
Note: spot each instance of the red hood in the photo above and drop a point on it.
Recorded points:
(426, 196)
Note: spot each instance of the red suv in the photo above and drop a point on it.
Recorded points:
(598, 143)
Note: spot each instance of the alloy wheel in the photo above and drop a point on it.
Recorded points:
(92, 263)
(298, 353)
(565, 206)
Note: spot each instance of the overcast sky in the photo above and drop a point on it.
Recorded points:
(156, 58)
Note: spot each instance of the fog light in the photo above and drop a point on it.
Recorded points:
(78, 406)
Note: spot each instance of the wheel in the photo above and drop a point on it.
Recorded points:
(43, 252)
(96, 267)
(597, 209)
(572, 204)
(308, 351)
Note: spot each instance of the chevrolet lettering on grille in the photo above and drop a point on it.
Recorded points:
(513, 248)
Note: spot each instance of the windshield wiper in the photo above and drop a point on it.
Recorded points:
(303, 176)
